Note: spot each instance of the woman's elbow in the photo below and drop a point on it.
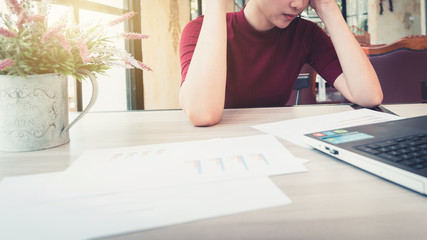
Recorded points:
(202, 114)
(370, 101)
(377, 99)
(204, 119)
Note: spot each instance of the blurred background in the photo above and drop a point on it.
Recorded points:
(163, 21)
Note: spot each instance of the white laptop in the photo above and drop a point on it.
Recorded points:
(394, 150)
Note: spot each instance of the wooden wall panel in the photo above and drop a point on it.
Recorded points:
(230, 7)
(423, 4)
(163, 21)
(390, 26)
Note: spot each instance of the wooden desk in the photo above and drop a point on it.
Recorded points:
(333, 200)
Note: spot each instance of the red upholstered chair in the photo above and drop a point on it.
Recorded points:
(401, 68)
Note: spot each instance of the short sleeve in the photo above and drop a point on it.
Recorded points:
(188, 43)
(323, 57)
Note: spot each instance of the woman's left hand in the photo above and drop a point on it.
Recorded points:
(322, 6)
(358, 82)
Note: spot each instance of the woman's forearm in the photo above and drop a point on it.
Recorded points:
(202, 94)
(359, 82)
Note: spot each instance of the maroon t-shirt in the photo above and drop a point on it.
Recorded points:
(262, 66)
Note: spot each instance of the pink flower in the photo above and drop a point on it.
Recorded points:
(6, 17)
(6, 33)
(6, 63)
(21, 19)
(35, 18)
(52, 32)
(14, 6)
(24, 18)
(122, 18)
(144, 66)
(133, 35)
(61, 38)
(84, 51)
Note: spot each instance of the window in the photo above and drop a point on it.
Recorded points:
(357, 14)
(119, 89)
(238, 4)
(196, 8)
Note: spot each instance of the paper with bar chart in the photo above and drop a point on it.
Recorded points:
(113, 191)
(243, 156)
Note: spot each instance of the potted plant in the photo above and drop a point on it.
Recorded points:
(35, 60)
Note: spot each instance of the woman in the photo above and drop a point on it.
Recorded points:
(251, 58)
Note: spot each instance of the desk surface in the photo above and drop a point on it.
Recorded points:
(333, 200)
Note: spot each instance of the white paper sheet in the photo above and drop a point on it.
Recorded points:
(293, 130)
(28, 215)
(112, 191)
(165, 158)
(110, 170)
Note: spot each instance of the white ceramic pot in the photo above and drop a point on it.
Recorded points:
(34, 111)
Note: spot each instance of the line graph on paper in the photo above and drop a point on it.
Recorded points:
(136, 155)
(226, 165)
(134, 161)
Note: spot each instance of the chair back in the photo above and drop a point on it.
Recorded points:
(304, 91)
(401, 68)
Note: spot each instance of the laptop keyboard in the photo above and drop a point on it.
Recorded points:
(410, 151)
